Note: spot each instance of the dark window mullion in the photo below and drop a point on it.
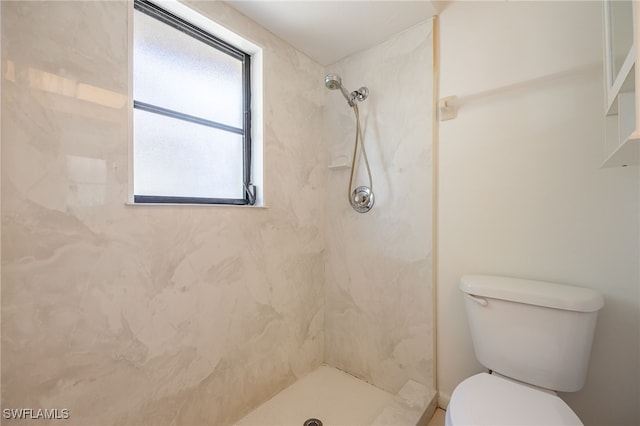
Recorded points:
(160, 199)
(246, 77)
(186, 117)
(187, 28)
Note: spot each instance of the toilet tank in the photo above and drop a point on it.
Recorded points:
(533, 331)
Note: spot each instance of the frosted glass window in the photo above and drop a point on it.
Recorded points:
(184, 74)
(178, 158)
(191, 113)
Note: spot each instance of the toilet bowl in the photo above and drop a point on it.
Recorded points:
(491, 400)
(535, 338)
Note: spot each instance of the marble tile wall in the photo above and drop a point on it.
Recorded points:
(129, 315)
(378, 271)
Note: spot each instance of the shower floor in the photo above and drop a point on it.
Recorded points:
(339, 399)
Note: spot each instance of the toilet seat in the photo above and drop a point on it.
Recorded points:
(490, 400)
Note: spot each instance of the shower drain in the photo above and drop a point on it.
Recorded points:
(312, 422)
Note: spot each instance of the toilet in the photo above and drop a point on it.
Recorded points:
(535, 339)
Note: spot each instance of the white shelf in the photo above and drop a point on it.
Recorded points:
(622, 109)
(340, 162)
(627, 153)
(339, 166)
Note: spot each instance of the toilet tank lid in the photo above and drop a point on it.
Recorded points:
(539, 293)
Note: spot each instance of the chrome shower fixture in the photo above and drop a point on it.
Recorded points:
(362, 199)
(334, 82)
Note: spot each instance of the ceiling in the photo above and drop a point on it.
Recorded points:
(329, 30)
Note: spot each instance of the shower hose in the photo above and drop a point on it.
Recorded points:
(359, 141)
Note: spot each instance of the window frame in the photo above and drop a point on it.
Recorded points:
(249, 189)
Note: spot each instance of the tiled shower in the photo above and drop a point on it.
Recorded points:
(132, 315)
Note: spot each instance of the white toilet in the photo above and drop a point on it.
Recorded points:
(535, 339)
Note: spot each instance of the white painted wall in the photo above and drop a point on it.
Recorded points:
(520, 189)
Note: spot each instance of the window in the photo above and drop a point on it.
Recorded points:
(192, 115)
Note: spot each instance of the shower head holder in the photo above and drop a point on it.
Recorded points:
(360, 94)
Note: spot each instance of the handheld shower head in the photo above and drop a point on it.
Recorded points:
(334, 82)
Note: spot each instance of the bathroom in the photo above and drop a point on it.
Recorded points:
(131, 314)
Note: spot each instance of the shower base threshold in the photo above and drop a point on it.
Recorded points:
(339, 399)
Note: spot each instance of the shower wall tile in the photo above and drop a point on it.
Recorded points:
(148, 315)
(379, 289)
